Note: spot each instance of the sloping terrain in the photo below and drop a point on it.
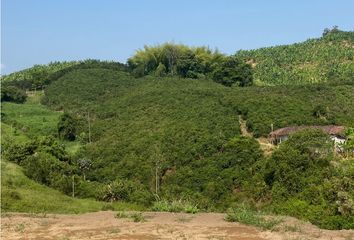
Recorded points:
(158, 141)
(293, 105)
(21, 194)
(329, 59)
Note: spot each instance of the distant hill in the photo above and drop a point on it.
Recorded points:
(40, 76)
(329, 59)
(34, 77)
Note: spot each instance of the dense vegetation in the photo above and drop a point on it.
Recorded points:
(21, 194)
(183, 61)
(40, 76)
(164, 129)
(293, 105)
(13, 94)
(170, 134)
(328, 59)
(34, 77)
(306, 180)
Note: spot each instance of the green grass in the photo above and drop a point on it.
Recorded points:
(11, 134)
(31, 119)
(175, 206)
(24, 121)
(72, 147)
(34, 97)
(243, 214)
(20, 194)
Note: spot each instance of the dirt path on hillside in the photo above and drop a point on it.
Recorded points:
(104, 225)
(265, 145)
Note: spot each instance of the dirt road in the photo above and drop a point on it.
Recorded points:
(104, 225)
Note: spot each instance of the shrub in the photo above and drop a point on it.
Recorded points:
(67, 127)
(125, 190)
(12, 94)
(231, 70)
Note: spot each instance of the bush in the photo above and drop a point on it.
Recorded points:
(67, 127)
(125, 190)
(231, 70)
(12, 94)
(88, 189)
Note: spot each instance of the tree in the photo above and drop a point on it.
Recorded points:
(67, 127)
(160, 70)
(84, 165)
(13, 94)
(302, 158)
(187, 65)
(232, 70)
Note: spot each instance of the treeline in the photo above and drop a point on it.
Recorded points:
(200, 62)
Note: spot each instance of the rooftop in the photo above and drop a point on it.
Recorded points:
(330, 129)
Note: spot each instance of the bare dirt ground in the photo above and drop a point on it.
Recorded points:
(104, 225)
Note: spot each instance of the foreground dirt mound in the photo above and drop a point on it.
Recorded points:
(104, 225)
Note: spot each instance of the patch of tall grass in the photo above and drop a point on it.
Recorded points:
(175, 206)
(246, 215)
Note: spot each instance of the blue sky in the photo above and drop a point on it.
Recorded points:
(40, 31)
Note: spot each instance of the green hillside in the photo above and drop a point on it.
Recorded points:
(180, 119)
(329, 59)
(40, 76)
(34, 77)
(18, 192)
(128, 134)
(21, 194)
(293, 105)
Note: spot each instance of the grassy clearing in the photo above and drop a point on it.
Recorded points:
(20, 194)
(34, 97)
(243, 214)
(31, 119)
(11, 134)
(72, 147)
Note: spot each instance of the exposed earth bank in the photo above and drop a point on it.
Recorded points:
(104, 225)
